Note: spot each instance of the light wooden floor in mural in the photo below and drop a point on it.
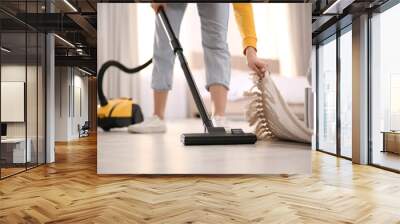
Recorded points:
(70, 191)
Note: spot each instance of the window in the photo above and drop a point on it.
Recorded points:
(327, 96)
(346, 93)
(385, 89)
(335, 74)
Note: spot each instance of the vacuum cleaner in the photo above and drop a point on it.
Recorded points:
(120, 112)
(212, 135)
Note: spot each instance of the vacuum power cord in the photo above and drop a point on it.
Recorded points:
(100, 76)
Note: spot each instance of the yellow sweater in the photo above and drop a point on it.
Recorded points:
(245, 21)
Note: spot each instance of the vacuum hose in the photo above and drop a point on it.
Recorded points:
(108, 64)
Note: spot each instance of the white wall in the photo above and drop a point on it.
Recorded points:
(34, 125)
(81, 104)
(61, 103)
(14, 73)
(70, 83)
(17, 73)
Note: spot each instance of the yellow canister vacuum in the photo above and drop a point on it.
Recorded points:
(120, 112)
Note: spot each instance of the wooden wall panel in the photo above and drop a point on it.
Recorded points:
(92, 83)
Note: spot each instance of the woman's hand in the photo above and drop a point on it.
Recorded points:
(158, 6)
(255, 63)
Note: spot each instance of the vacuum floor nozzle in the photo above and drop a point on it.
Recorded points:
(235, 137)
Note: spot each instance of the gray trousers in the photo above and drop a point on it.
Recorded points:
(214, 26)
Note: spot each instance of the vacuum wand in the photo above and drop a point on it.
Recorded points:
(176, 47)
(214, 135)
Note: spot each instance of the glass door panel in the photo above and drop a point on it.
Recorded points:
(32, 98)
(13, 93)
(327, 96)
(346, 94)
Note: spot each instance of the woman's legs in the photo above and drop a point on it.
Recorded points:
(214, 27)
(219, 97)
(163, 64)
(163, 57)
(160, 101)
(214, 21)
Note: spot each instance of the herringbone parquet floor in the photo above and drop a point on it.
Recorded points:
(69, 191)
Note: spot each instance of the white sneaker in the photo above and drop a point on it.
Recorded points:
(221, 121)
(151, 125)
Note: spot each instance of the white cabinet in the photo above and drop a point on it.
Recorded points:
(16, 147)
